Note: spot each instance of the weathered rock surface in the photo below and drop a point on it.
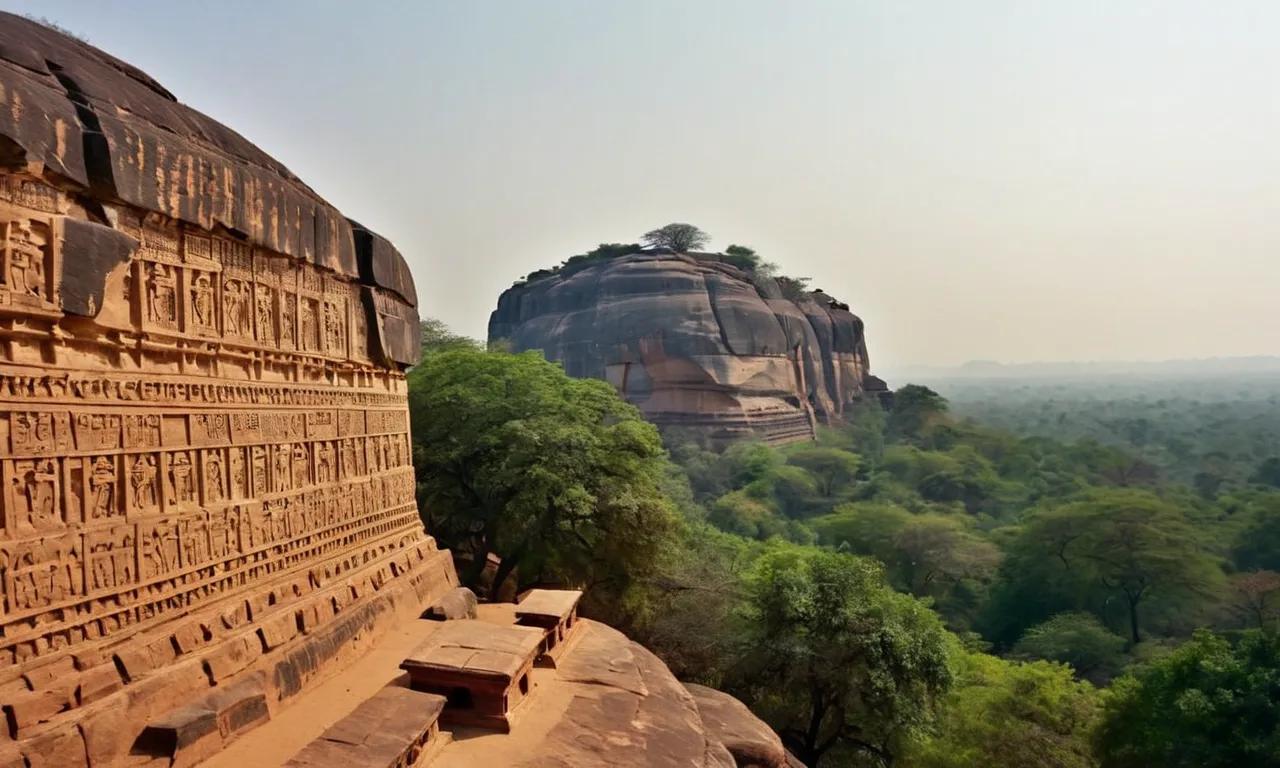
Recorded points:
(695, 343)
(752, 743)
(208, 496)
(634, 713)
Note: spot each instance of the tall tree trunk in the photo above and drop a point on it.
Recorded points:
(1133, 620)
(504, 570)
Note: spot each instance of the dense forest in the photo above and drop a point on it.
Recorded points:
(1014, 575)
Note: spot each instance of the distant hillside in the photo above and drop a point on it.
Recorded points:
(984, 369)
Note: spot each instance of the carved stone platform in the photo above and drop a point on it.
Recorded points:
(555, 612)
(397, 728)
(481, 669)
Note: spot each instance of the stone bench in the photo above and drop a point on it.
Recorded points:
(396, 728)
(555, 612)
(481, 669)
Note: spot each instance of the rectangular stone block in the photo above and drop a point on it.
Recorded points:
(278, 630)
(59, 748)
(388, 730)
(35, 707)
(136, 661)
(188, 637)
(229, 658)
(240, 706)
(483, 670)
(186, 735)
(99, 682)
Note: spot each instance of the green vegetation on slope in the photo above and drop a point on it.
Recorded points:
(914, 589)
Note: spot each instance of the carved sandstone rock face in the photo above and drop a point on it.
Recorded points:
(694, 343)
(205, 463)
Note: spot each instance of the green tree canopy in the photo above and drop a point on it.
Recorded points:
(835, 658)
(1126, 548)
(834, 469)
(1209, 704)
(1078, 639)
(681, 238)
(1002, 714)
(556, 475)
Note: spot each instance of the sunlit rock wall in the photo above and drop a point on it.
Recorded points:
(204, 442)
(694, 343)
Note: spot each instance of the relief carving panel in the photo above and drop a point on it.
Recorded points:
(235, 429)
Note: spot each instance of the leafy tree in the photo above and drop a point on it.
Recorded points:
(833, 468)
(681, 238)
(1257, 547)
(1256, 598)
(742, 257)
(1001, 714)
(697, 591)
(933, 550)
(556, 475)
(1208, 704)
(1078, 639)
(438, 337)
(835, 658)
(865, 428)
(1122, 545)
(1268, 472)
(913, 408)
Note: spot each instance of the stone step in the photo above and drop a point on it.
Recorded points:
(555, 612)
(396, 728)
(188, 734)
(481, 669)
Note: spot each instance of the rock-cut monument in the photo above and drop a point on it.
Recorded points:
(208, 497)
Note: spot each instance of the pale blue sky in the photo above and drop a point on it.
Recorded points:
(1020, 180)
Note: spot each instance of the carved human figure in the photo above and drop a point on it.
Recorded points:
(281, 474)
(324, 463)
(266, 314)
(161, 285)
(180, 479)
(102, 488)
(142, 479)
(202, 300)
(26, 254)
(258, 458)
(301, 466)
(195, 542)
(348, 459)
(237, 474)
(102, 566)
(309, 324)
(160, 550)
(235, 307)
(38, 487)
(287, 317)
(213, 482)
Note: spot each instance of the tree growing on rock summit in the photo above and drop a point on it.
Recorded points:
(681, 238)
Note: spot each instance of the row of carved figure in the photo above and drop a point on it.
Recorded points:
(50, 493)
(51, 570)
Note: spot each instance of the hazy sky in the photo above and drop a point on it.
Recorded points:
(1072, 180)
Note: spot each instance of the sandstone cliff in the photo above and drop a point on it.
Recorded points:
(696, 343)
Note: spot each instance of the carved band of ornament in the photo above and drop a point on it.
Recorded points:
(32, 194)
(107, 624)
(38, 433)
(164, 543)
(241, 571)
(160, 391)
